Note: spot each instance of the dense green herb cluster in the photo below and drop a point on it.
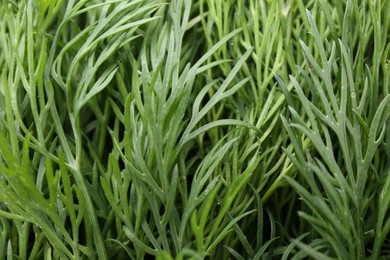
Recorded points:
(183, 129)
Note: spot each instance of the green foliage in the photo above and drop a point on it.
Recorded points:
(191, 129)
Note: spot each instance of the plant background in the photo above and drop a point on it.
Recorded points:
(214, 129)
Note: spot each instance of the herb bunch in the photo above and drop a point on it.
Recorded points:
(194, 129)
